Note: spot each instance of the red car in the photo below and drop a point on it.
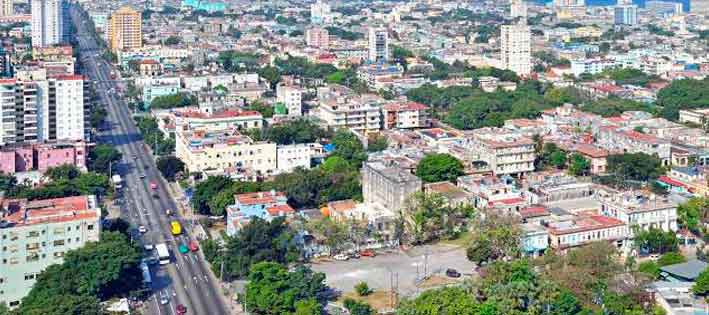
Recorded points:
(194, 245)
(367, 253)
(153, 185)
(181, 309)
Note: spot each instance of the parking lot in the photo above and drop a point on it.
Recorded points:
(407, 267)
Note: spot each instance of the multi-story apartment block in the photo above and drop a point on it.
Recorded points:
(638, 209)
(302, 155)
(378, 45)
(504, 151)
(40, 157)
(379, 75)
(405, 115)
(320, 13)
(699, 7)
(591, 66)
(317, 37)
(125, 29)
(582, 230)
(265, 205)
(387, 186)
(616, 139)
(516, 48)
(291, 97)
(47, 22)
(518, 8)
(342, 108)
(698, 117)
(7, 7)
(45, 109)
(491, 192)
(152, 91)
(191, 118)
(225, 152)
(626, 14)
(36, 234)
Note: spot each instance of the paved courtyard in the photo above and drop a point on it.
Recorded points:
(378, 271)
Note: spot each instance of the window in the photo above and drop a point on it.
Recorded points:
(32, 246)
(30, 258)
(29, 276)
(59, 243)
(33, 234)
(90, 227)
(58, 254)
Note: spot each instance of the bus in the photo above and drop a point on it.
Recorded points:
(163, 253)
(175, 228)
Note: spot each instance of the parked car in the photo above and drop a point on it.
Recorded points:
(181, 309)
(368, 253)
(153, 185)
(168, 212)
(142, 229)
(341, 257)
(194, 245)
(148, 247)
(452, 273)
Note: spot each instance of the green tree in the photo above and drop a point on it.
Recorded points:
(671, 258)
(649, 268)
(635, 166)
(204, 191)
(377, 143)
(692, 213)
(701, 286)
(66, 171)
(308, 307)
(655, 240)
(172, 40)
(334, 233)
(558, 159)
(445, 301)
(494, 237)
(683, 94)
(173, 101)
(102, 156)
(362, 288)
(266, 110)
(578, 165)
(439, 167)
(170, 166)
(357, 307)
(349, 147)
(273, 290)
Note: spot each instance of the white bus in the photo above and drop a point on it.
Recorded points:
(163, 253)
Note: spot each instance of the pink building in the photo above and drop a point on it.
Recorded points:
(42, 156)
(317, 37)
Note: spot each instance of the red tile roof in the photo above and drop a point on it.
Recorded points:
(258, 198)
(280, 210)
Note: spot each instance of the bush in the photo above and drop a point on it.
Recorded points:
(362, 289)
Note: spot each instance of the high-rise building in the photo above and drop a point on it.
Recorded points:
(516, 48)
(664, 7)
(700, 7)
(47, 22)
(124, 29)
(378, 45)
(36, 234)
(317, 37)
(6, 8)
(518, 8)
(42, 109)
(320, 13)
(626, 14)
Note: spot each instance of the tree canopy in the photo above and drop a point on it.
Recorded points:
(173, 101)
(439, 167)
(635, 166)
(683, 94)
(273, 290)
(170, 166)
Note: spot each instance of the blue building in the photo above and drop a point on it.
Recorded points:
(204, 5)
(265, 205)
(535, 239)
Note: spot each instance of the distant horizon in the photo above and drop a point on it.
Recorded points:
(641, 3)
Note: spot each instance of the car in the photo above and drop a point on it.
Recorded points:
(368, 253)
(153, 185)
(654, 256)
(142, 229)
(141, 176)
(452, 273)
(164, 298)
(354, 255)
(181, 309)
(148, 247)
(341, 257)
(194, 245)
(183, 249)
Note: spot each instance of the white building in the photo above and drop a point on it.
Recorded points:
(378, 44)
(518, 8)
(37, 234)
(291, 97)
(503, 151)
(341, 108)
(7, 8)
(320, 13)
(638, 209)
(516, 49)
(47, 22)
(591, 66)
(297, 155)
(626, 14)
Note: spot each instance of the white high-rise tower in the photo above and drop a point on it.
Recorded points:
(378, 44)
(516, 48)
(47, 22)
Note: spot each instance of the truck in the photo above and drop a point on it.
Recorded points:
(117, 181)
(163, 253)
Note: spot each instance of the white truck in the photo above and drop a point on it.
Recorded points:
(117, 181)
(163, 253)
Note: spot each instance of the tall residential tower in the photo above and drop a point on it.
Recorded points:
(125, 29)
(378, 45)
(47, 22)
(515, 48)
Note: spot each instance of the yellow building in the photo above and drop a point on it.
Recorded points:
(587, 31)
(124, 30)
(6, 8)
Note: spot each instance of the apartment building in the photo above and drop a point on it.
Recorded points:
(7, 7)
(191, 118)
(501, 151)
(378, 40)
(340, 107)
(405, 115)
(491, 192)
(387, 186)
(291, 156)
(639, 209)
(626, 140)
(516, 48)
(291, 96)
(379, 75)
(265, 205)
(698, 117)
(581, 230)
(317, 37)
(47, 22)
(225, 152)
(42, 156)
(36, 234)
(320, 13)
(591, 66)
(124, 29)
(43, 109)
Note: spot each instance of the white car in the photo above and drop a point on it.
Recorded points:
(164, 299)
(341, 257)
(148, 247)
(142, 229)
